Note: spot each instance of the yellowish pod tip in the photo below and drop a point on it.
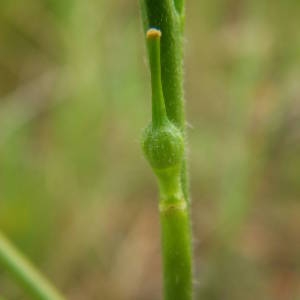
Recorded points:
(153, 33)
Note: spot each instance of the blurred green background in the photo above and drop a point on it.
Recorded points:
(76, 194)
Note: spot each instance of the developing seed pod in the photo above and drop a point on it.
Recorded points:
(162, 142)
(163, 146)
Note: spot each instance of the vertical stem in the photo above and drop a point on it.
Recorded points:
(168, 16)
(176, 238)
(162, 14)
(176, 248)
(25, 272)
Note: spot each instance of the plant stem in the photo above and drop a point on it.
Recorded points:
(162, 15)
(176, 241)
(24, 272)
(167, 17)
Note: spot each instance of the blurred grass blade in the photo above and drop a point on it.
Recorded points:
(24, 272)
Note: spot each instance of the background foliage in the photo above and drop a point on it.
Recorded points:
(75, 192)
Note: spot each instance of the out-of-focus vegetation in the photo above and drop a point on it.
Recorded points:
(75, 192)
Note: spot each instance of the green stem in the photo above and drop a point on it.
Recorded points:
(162, 14)
(24, 272)
(168, 16)
(176, 248)
(176, 238)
